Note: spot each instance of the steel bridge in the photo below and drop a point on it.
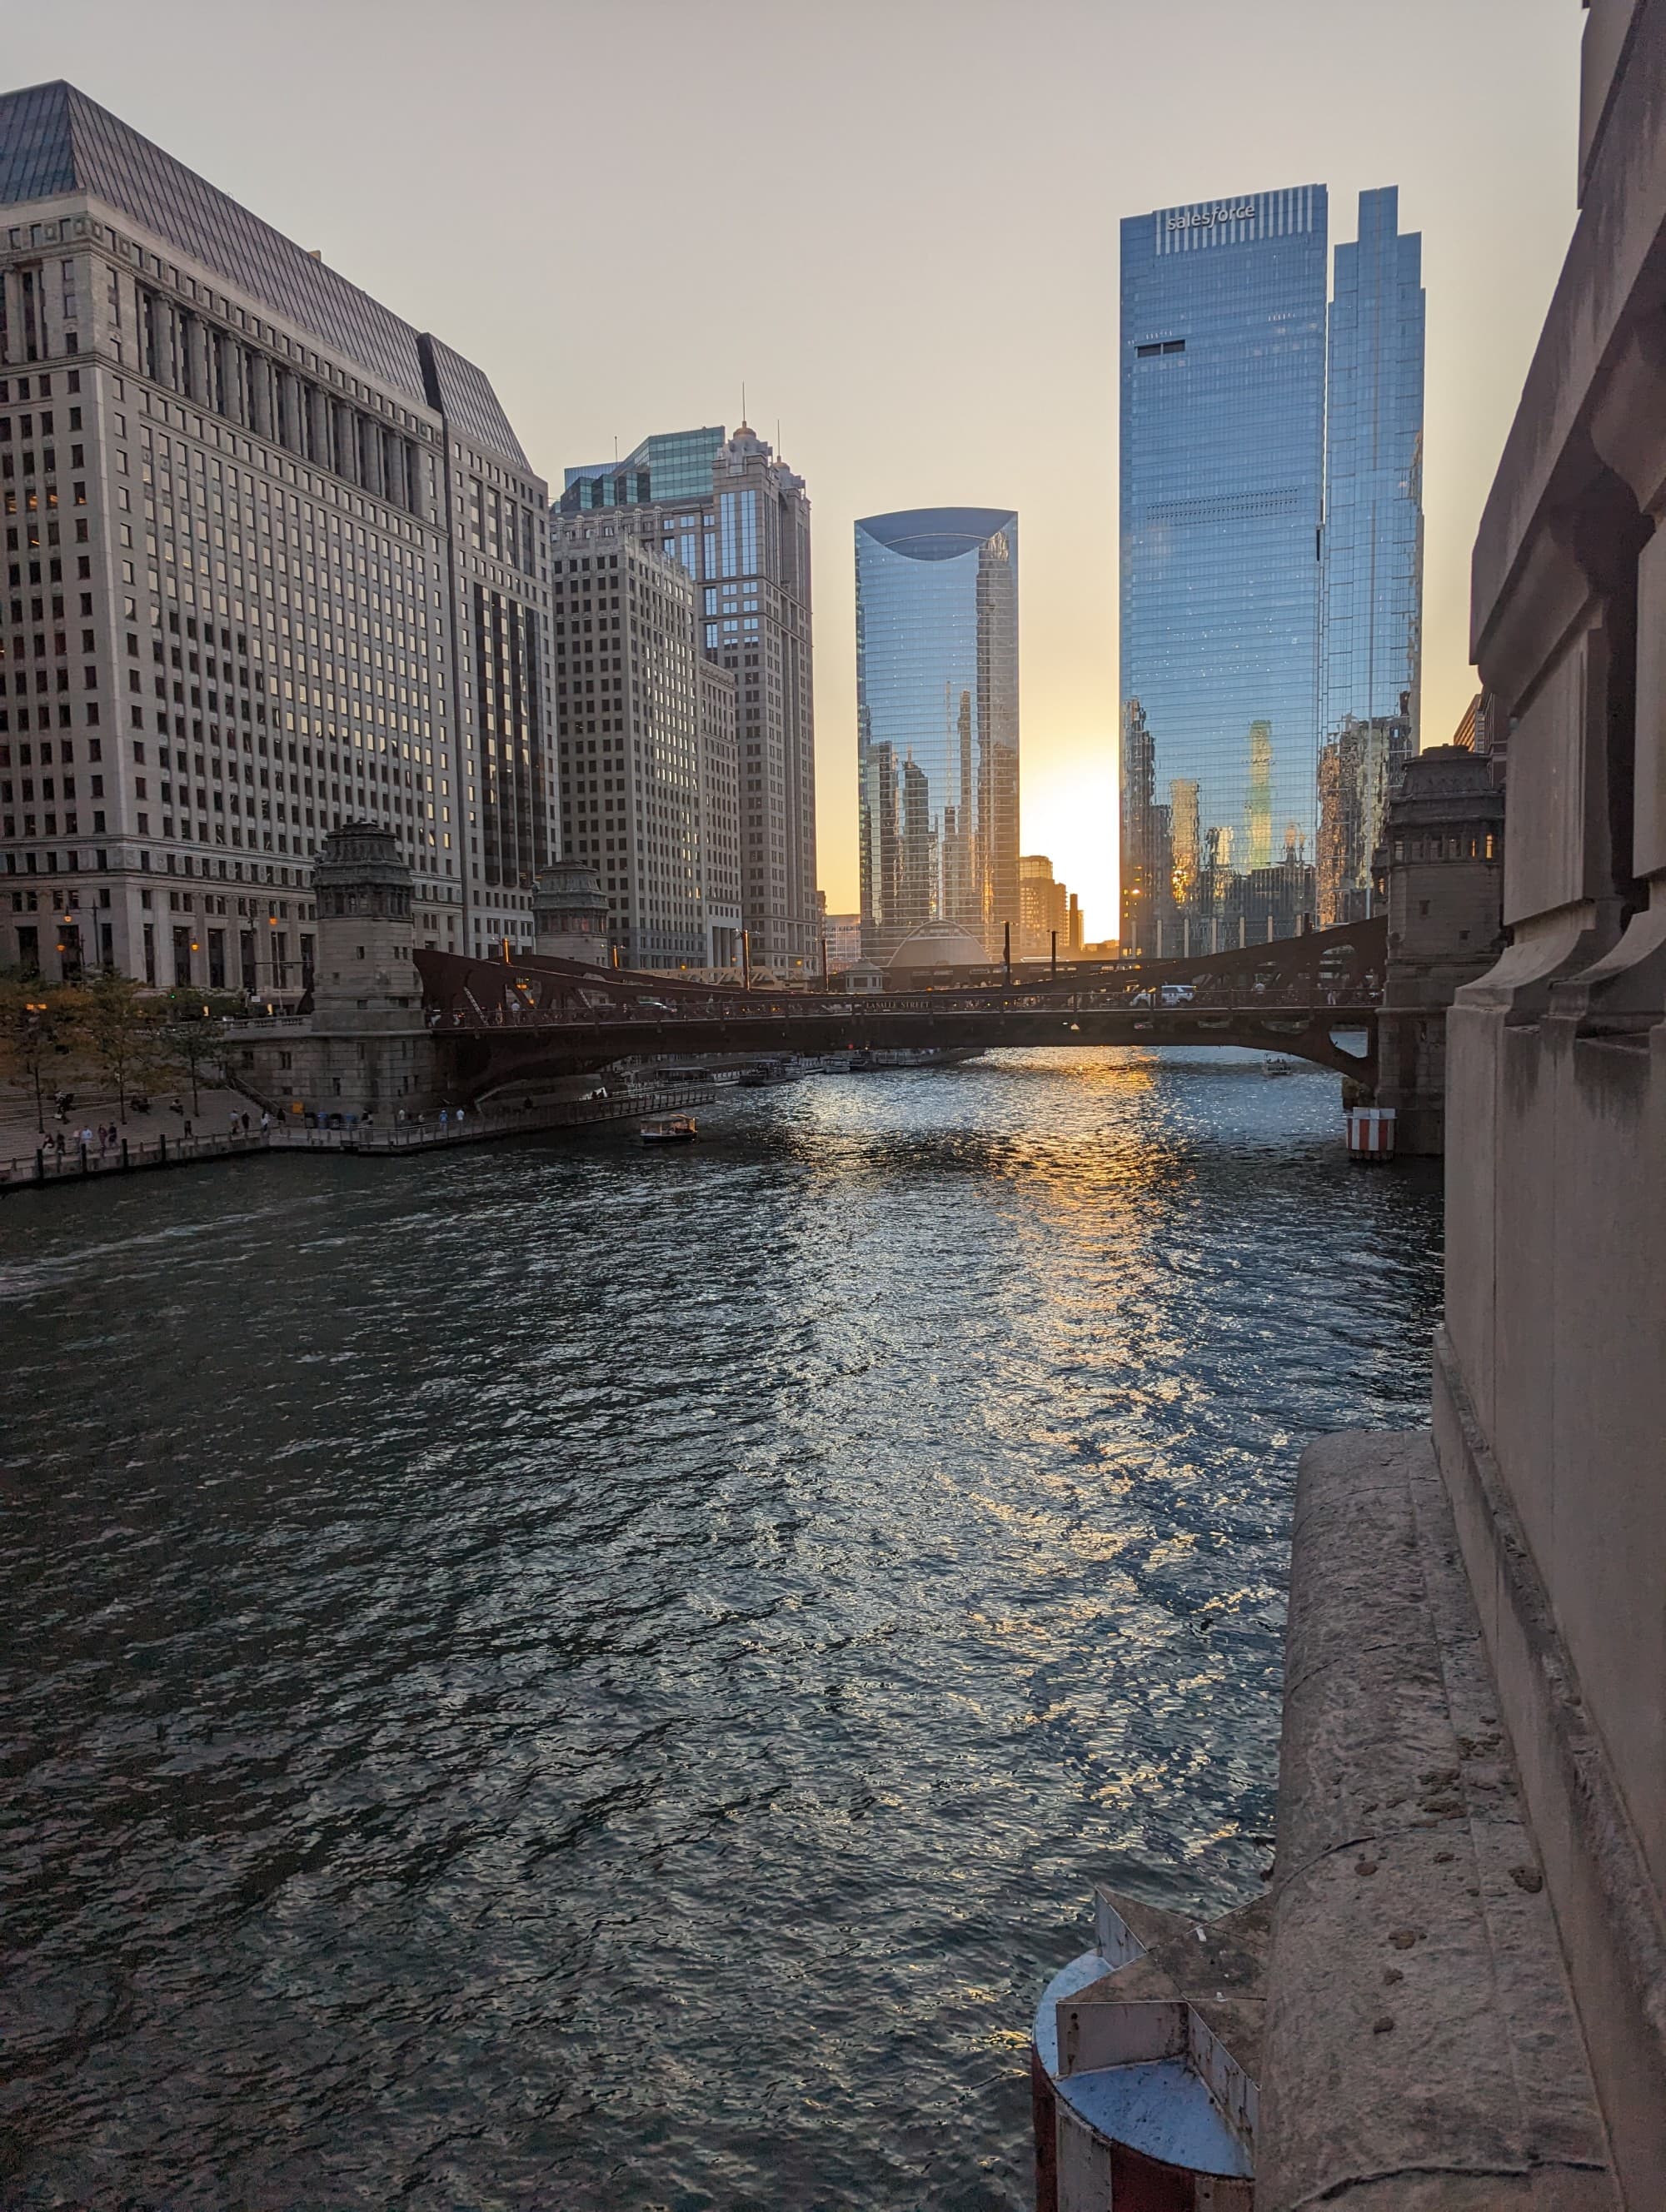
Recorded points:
(498, 1024)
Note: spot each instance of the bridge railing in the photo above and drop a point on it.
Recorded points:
(1222, 997)
(80, 1161)
(1341, 966)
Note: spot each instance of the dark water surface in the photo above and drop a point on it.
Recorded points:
(577, 1677)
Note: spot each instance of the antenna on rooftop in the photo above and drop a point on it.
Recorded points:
(743, 404)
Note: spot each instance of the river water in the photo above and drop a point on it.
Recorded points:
(564, 1675)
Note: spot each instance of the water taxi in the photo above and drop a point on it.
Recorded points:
(669, 1129)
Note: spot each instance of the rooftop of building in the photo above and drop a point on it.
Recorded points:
(937, 533)
(54, 141)
(939, 945)
(670, 466)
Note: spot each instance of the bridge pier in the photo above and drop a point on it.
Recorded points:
(366, 1045)
(1443, 859)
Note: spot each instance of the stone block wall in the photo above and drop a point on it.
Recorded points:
(1549, 1402)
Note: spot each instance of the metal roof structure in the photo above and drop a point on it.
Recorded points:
(54, 140)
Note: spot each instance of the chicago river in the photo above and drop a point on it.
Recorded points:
(568, 1676)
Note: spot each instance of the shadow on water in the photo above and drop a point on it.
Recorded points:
(569, 1676)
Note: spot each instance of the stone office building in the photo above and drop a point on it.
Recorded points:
(646, 732)
(737, 521)
(273, 559)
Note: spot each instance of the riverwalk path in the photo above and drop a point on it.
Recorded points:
(159, 1140)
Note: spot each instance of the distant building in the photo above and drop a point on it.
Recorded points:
(1485, 729)
(646, 743)
(1373, 550)
(717, 722)
(1043, 908)
(274, 562)
(738, 521)
(843, 935)
(937, 707)
(1223, 397)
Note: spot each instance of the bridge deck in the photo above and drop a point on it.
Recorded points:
(510, 1021)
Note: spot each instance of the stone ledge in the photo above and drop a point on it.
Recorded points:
(1605, 1908)
(1421, 2049)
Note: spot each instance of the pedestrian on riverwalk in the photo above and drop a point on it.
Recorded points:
(265, 1123)
(445, 1118)
(58, 1141)
(246, 1125)
(460, 1117)
(187, 1127)
(87, 1138)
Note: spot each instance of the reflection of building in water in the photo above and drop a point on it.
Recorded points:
(1188, 886)
(1373, 550)
(1356, 766)
(1258, 806)
(1183, 837)
(937, 677)
(1139, 881)
(1223, 389)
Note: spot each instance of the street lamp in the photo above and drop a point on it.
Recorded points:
(34, 1007)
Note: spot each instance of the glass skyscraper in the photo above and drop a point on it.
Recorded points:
(1222, 399)
(937, 707)
(1373, 547)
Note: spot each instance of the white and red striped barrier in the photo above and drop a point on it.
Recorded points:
(1370, 1132)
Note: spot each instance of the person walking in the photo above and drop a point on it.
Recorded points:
(187, 1127)
(459, 1118)
(87, 1138)
(445, 1119)
(265, 1123)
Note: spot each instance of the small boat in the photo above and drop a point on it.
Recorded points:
(1273, 1066)
(671, 1129)
(764, 1072)
(868, 1060)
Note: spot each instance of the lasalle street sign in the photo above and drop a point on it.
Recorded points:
(1210, 217)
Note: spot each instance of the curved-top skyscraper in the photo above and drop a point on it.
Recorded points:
(937, 706)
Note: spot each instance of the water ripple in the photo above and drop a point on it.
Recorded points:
(563, 1677)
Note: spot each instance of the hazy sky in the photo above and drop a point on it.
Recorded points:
(896, 221)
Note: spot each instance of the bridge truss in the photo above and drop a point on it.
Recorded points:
(500, 1023)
